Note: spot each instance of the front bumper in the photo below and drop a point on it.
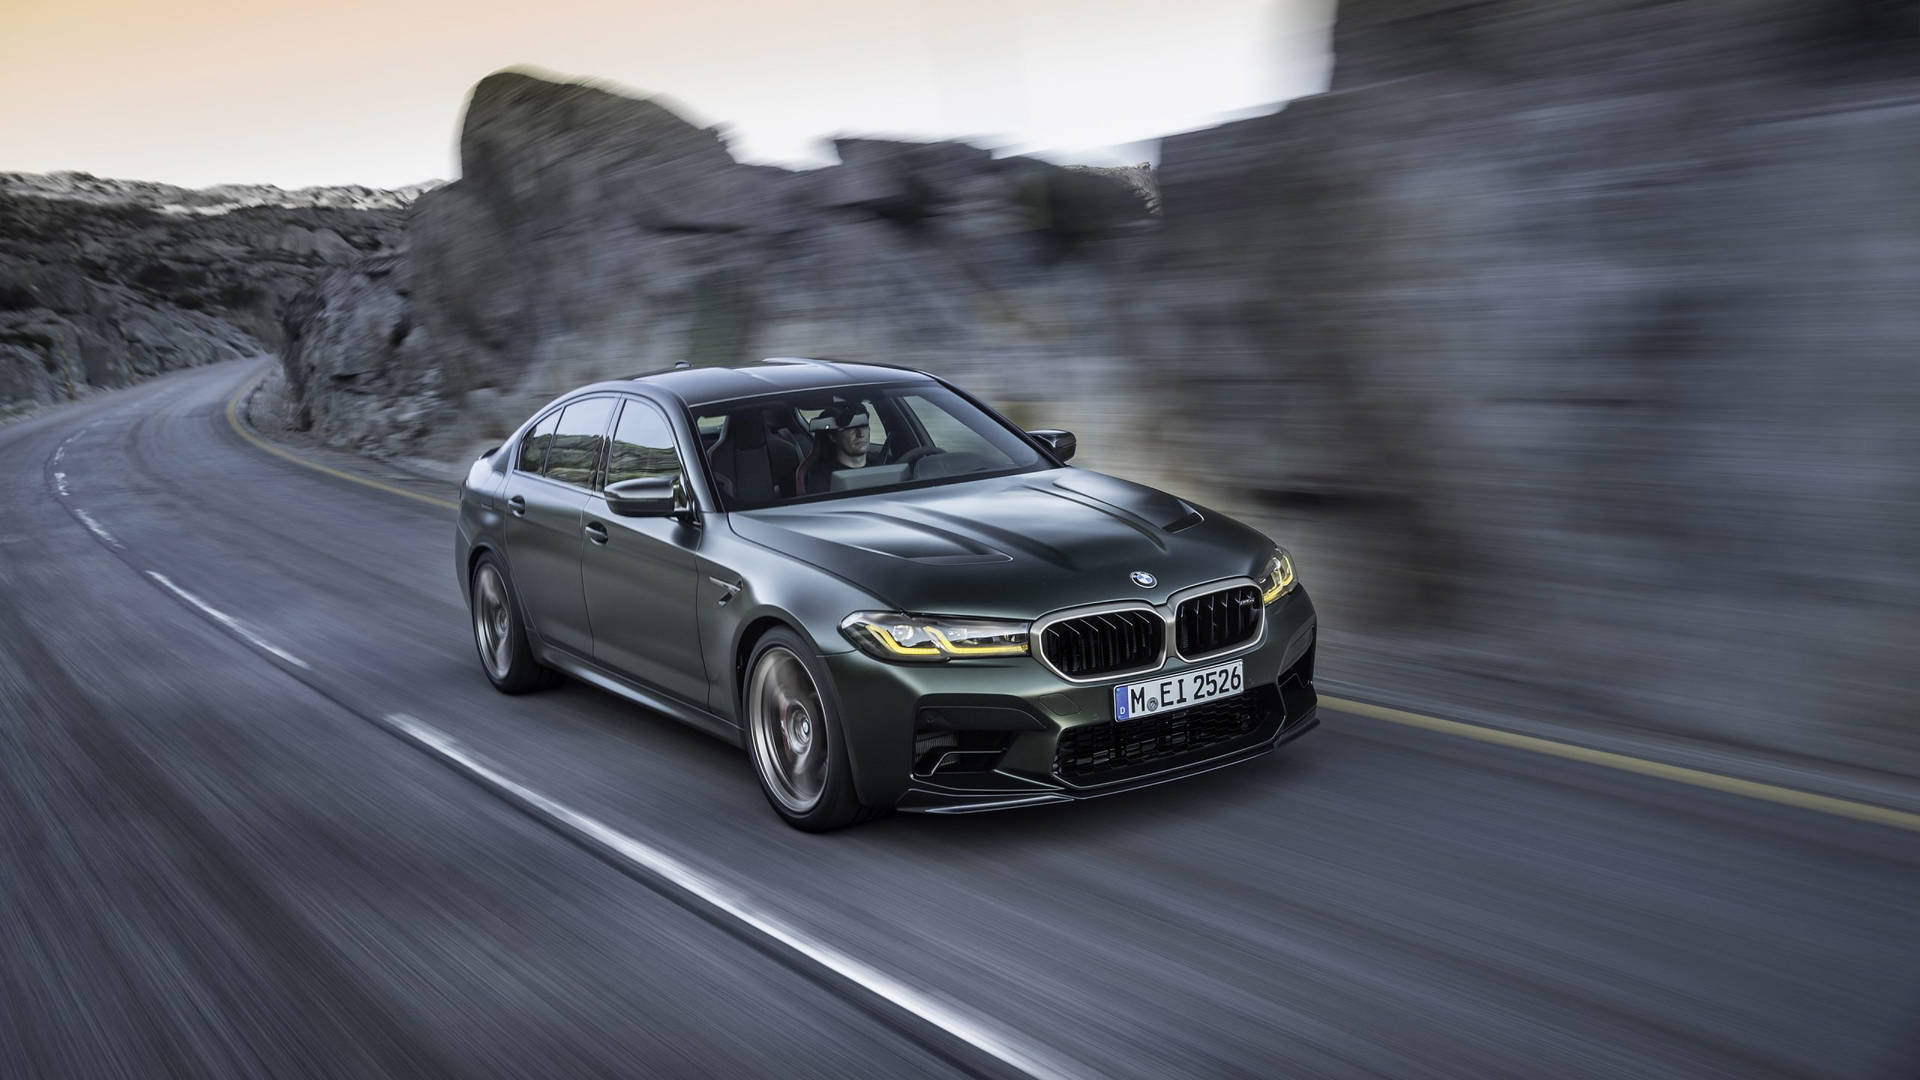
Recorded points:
(993, 734)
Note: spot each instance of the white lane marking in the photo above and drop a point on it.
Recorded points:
(93, 526)
(228, 621)
(60, 452)
(60, 483)
(973, 1030)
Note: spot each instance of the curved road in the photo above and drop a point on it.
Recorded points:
(263, 815)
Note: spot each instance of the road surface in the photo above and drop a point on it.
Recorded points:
(263, 815)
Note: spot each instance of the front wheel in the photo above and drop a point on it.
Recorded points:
(798, 748)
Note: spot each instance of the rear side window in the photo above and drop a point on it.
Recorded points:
(642, 445)
(575, 451)
(533, 448)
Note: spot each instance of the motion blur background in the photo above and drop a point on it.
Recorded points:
(1569, 345)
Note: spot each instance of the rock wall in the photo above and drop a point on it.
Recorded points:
(105, 281)
(593, 234)
(1570, 345)
(1579, 352)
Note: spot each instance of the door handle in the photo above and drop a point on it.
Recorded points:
(517, 506)
(596, 532)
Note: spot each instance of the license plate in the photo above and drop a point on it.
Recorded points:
(1134, 700)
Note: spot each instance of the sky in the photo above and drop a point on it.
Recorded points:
(199, 92)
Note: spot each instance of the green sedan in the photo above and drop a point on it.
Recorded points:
(890, 596)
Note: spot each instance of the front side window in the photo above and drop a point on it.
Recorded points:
(946, 430)
(642, 445)
(533, 448)
(826, 444)
(575, 451)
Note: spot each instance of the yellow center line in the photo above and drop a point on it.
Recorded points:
(233, 418)
(1804, 800)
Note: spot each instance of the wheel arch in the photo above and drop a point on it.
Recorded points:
(480, 548)
(484, 547)
(750, 635)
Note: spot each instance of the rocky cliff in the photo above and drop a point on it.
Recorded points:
(593, 234)
(105, 281)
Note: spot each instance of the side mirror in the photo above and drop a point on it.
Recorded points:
(646, 496)
(1062, 442)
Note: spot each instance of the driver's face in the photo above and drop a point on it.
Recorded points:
(853, 440)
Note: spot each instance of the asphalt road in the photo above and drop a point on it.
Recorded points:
(225, 856)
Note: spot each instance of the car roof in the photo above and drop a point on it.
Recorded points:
(706, 385)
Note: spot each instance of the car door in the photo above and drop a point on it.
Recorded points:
(546, 502)
(641, 572)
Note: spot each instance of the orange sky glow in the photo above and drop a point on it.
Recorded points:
(370, 91)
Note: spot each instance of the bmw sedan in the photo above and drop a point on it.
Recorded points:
(886, 593)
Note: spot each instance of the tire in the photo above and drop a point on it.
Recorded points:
(498, 633)
(794, 736)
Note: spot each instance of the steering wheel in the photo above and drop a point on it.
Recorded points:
(916, 454)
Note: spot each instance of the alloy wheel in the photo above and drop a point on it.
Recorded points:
(492, 622)
(788, 729)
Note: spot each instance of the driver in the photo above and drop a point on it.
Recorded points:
(841, 437)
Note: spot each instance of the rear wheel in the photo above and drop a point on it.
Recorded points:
(505, 653)
(798, 748)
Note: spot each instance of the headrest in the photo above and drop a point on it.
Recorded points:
(837, 416)
(746, 430)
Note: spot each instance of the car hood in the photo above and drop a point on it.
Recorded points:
(1012, 546)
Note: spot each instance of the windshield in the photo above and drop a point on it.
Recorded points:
(855, 440)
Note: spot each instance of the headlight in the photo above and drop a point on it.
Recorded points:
(891, 635)
(1276, 580)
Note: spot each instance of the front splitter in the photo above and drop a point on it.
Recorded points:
(919, 800)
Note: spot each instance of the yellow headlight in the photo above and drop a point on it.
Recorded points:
(897, 643)
(896, 636)
(991, 645)
(1277, 581)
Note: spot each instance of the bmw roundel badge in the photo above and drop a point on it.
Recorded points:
(1144, 579)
